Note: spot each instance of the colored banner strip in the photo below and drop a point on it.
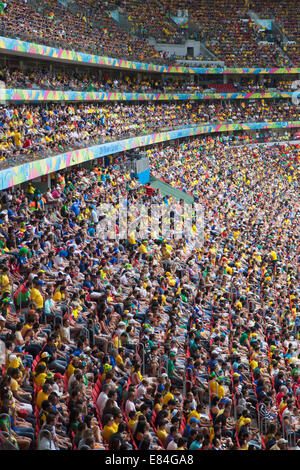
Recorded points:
(28, 171)
(14, 94)
(18, 46)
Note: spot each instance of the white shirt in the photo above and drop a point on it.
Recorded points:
(65, 332)
(172, 445)
(130, 406)
(101, 401)
(140, 392)
(94, 216)
(55, 388)
(71, 380)
(46, 444)
(58, 260)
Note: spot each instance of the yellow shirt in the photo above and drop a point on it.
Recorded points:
(58, 296)
(70, 370)
(143, 249)
(41, 396)
(131, 238)
(131, 424)
(14, 385)
(242, 421)
(167, 397)
(17, 137)
(220, 391)
(119, 360)
(193, 414)
(4, 283)
(213, 387)
(117, 342)
(37, 297)
(157, 408)
(273, 255)
(253, 364)
(108, 431)
(24, 329)
(282, 405)
(40, 379)
(162, 434)
(15, 363)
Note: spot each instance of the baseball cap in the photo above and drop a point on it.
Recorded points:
(282, 441)
(194, 420)
(45, 354)
(63, 253)
(58, 376)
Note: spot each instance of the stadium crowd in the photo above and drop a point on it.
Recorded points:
(150, 343)
(226, 28)
(116, 333)
(57, 26)
(150, 19)
(38, 130)
(45, 79)
(230, 33)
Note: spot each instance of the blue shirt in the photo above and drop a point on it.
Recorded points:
(75, 208)
(91, 231)
(77, 352)
(195, 445)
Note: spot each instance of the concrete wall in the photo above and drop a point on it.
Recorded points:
(178, 49)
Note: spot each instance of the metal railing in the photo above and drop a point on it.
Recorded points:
(110, 346)
(185, 382)
(11, 162)
(143, 358)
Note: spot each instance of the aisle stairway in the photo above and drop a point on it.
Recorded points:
(168, 190)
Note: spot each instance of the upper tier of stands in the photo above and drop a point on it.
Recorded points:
(224, 26)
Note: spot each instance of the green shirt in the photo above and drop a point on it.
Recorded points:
(243, 338)
(171, 368)
(64, 210)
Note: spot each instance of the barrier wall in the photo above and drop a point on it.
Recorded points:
(14, 94)
(27, 171)
(18, 46)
